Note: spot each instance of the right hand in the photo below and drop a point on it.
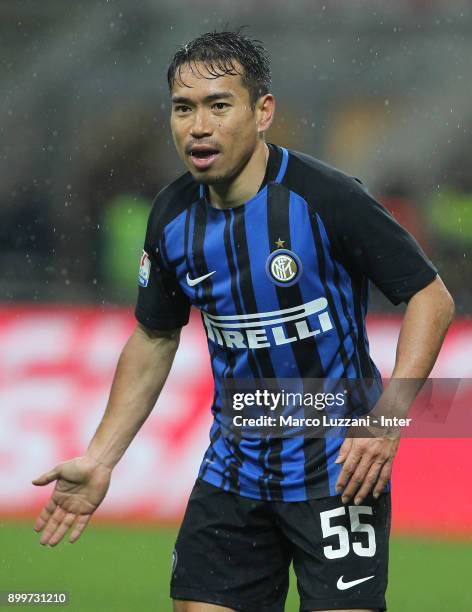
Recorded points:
(81, 485)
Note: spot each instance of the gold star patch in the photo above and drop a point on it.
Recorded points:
(280, 243)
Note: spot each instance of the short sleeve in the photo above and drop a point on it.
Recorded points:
(161, 303)
(368, 239)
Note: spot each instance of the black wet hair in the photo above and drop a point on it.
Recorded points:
(219, 51)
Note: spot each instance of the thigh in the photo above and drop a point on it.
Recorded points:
(230, 552)
(340, 553)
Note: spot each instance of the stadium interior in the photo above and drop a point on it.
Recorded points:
(378, 89)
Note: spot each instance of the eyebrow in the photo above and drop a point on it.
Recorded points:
(210, 98)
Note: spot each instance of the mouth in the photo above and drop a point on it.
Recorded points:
(203, 158)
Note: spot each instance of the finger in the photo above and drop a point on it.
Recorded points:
(344, 450)
(369, 482)
(80, 525)
(349, 467)
(383, 479)
(63, 528)
(357, 478)
(44, 515)
(52, 524)
(348, 470)
(47, 477)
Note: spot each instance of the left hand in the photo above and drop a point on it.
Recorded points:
(367, 464)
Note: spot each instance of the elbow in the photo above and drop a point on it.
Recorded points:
(450, 308)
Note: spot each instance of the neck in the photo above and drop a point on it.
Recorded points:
(245, 185)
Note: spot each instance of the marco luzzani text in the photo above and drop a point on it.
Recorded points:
(273, 401)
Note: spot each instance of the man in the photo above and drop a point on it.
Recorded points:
(275, 249)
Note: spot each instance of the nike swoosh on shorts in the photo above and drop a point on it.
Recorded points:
(342, 586)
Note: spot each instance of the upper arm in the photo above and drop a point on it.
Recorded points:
(163, 343)
(436, 293)
(156, 334)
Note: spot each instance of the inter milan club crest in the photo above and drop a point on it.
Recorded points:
(283, 267)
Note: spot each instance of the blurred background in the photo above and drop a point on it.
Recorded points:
(379, 89)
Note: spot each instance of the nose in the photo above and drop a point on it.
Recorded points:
(201, 126)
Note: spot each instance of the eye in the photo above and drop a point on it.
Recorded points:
(220, 105)
(181, 108)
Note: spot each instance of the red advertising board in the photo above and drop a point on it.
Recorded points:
(56, 366)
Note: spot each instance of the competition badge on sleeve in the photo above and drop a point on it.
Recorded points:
(144, 269)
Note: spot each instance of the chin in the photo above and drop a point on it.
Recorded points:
(209, 179)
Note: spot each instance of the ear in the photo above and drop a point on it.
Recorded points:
(264, 111)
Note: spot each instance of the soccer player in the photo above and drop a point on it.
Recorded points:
(276, 249)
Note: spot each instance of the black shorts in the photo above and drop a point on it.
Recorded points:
(236, 552)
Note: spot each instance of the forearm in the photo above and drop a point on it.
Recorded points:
(367, 454)
(427, 318)
(425, 323)
(141, 372)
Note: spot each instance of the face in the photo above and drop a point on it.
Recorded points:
(214, 128)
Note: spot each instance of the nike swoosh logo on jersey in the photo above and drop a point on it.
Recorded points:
(342, 586)
(194, 281)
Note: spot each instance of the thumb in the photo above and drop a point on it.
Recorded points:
(344, 450)
(47, 477)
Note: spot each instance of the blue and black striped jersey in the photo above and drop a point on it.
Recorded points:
(282, 286)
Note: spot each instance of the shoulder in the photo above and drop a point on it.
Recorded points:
(172, 200)
(315, 180)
